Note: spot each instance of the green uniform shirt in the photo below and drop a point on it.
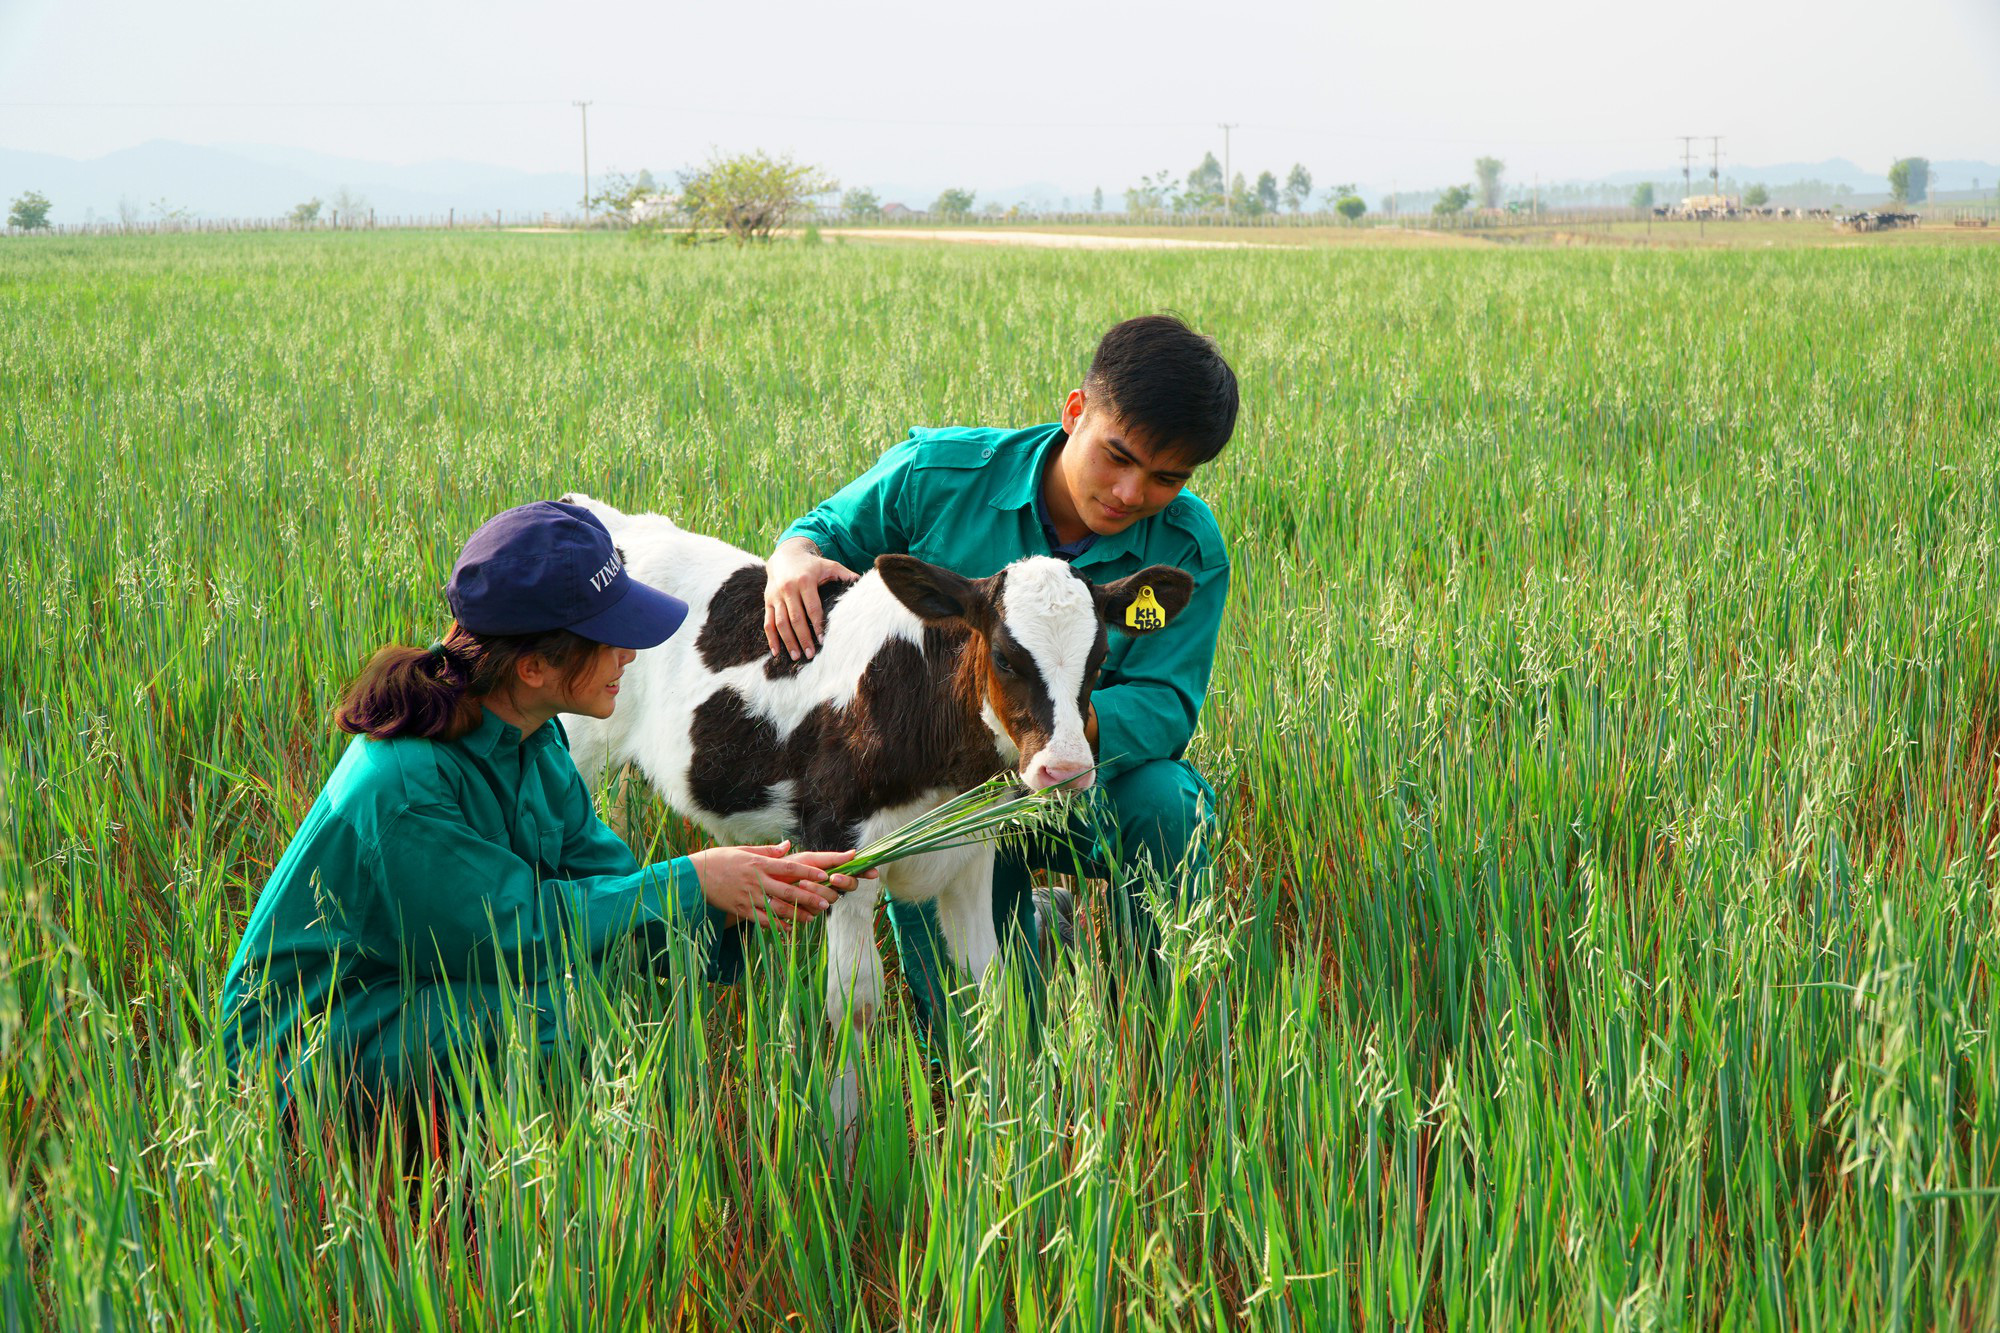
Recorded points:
(424, 871)
(964, 498)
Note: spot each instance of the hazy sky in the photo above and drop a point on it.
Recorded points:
(1075, 93)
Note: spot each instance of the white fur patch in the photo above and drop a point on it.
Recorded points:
(1050, 612)
(654, 721)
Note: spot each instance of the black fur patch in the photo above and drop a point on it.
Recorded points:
(734, 631)
(737, 757)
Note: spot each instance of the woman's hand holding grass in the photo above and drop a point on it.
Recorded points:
(771, 885)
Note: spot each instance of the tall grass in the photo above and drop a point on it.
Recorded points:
(1606, 712)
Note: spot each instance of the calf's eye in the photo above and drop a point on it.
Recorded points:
(1003, 666)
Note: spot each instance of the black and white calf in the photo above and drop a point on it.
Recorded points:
(927, 684)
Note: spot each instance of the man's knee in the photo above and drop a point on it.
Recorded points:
(1164, 809)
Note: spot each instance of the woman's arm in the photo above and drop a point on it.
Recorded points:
(458, 905)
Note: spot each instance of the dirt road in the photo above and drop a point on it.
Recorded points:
(1054, 240)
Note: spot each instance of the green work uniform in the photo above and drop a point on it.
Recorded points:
(964, 498)
(429, 879)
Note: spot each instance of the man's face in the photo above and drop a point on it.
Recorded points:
(1115, 478)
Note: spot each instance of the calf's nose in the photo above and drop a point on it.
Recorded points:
(1044, 776)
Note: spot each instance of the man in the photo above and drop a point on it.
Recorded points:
(1104, 490)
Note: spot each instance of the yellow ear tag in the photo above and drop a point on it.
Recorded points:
(1145, 612)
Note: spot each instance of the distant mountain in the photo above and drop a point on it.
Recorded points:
(251, 181)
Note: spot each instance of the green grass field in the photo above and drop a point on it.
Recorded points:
(1608, 711)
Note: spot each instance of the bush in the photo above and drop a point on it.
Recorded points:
(30, 211)
(1350, 206)
(1452, 201)
(750, 196)
(953, 203)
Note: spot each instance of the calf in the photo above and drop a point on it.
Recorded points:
(926, 684)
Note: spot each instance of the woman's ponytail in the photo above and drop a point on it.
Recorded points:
(410, 692)
(435, 692)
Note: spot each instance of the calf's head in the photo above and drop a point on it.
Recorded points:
(1037, 644)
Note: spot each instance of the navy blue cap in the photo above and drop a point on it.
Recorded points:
(548, 566)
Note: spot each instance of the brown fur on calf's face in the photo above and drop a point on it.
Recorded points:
(1037, 633)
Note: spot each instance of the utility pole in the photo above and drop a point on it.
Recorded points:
(584, 109)
(1687, 165)
(1227, 179)
(1715, 164)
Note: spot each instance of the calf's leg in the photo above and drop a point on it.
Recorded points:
(853, 964)
(965, 916)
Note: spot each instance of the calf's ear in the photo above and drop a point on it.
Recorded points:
(1146, 601)
(933, 592)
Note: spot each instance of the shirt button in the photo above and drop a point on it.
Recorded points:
(987, 452)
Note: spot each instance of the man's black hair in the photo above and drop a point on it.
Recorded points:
(1167, 384)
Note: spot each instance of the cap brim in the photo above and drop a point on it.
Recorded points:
(643, 618)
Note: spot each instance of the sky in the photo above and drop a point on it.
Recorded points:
(1071, 92)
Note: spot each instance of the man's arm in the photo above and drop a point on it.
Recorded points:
(1149, 711)
(842, 535)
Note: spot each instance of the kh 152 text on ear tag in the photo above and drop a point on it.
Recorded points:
(1145, 612)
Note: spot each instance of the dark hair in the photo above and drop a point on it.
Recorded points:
(1164, 381)
(436, 692)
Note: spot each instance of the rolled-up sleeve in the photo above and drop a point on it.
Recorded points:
(865, 518)
(1150, 709)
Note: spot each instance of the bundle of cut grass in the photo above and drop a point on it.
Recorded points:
(997, 808)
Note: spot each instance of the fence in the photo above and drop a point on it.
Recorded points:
(1472, 220)
(448, 221)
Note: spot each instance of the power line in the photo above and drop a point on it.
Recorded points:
(743, 113)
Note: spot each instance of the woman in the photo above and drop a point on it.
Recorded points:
(454, 854)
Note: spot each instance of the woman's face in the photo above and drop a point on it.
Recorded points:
(595, 693)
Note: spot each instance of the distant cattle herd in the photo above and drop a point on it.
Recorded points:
(1713, 208)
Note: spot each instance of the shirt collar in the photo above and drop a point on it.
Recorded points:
(494, 734)
(1021, 490)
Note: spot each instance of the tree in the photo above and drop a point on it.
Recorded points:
(1205, 186)
(1152, 193)
(1298, 187)
(1488, 170)
(1642, 196)
(128, 211)
(1910, 179)
(1241, 200)
(1756, 197)
(1267, 191)
(348, 206)
(748, 197)
(304, 215)
(633, 200)
(30, 211)
(861, 205)
(1452, 201)
(1097, 200)
(953, 203)
(1350, 206)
